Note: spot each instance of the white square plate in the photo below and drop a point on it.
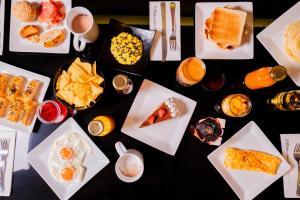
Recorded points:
(94, 162)
(11, 136)
(18, 44)
(11, 70)
(166, 135)
(272, 39)
(246, 184)
(2, 9)
(206, 49)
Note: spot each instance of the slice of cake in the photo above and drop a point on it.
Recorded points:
(167, 110)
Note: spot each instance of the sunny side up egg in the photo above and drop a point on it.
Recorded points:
(66, 158)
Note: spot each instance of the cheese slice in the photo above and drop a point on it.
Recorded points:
(251, 160)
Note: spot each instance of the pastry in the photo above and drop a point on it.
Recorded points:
(27, 114)
(251, 160)
(126, 48)
(3, 84)
(24, 11)
(207, 130)
(31, 90)
(14, 88)
(167, 110)
(53, 38)
(225, 27)
(29, 30)
(14, 110)
(3, 106)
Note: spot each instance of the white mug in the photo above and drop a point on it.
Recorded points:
(90, 35)
(130, 165)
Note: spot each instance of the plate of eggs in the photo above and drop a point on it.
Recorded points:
(67, 159)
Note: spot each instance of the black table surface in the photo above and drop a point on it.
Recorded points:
(188, 174)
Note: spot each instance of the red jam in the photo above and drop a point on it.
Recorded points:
(49, 112)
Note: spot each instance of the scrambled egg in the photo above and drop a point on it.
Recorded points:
(126, 48)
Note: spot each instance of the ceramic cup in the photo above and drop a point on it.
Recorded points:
(81, 23)
(130, 165)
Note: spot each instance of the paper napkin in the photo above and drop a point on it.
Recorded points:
(2, 6)
(288, 142)
(155, 23)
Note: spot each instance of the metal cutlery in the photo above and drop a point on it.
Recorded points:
(287, 144)
(297, 158)
(163, 32)
(173, 34)
(4, 146)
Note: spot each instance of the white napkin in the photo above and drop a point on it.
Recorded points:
(2, 6)
(21, 150)
(288, 142)
(155, 23)
(11, 136)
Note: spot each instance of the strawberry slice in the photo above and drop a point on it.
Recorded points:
(151, 119)
(162, 112)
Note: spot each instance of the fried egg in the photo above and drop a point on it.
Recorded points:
(66, 158)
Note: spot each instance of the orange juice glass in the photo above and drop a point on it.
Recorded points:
(101, 125)
(265, 77)
(190, 71)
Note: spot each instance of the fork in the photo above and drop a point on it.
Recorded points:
(3, 155)
(173, 34)
(297, 158)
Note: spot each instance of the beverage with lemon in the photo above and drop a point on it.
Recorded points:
(101, 126)
(191, 71)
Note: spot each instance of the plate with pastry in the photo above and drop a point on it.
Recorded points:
(159, 117)
(282, 38)
(249, 162)
(224, 30)
(20, 93)
(39, 26)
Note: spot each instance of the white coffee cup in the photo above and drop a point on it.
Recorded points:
(89, 34)
(130, 165)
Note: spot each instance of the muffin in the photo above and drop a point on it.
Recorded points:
(24, 11)
(208, 130)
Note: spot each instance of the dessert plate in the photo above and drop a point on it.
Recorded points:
(248, 184)
(165, 135)
(207, 49)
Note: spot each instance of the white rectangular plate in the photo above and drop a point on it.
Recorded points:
(2, 9)
(18, 44)
(9, 69)
(166, 135)
(94, 162)
(206, 49)
(272, 39)
(11, 136)
(247, 184)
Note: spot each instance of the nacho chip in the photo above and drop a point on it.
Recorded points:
(80, 84)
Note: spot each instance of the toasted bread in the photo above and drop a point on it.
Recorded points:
(53, 38)
(226, 27)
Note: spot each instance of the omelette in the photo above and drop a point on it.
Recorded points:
(251, 160)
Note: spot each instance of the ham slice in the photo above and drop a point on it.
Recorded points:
(51, 12)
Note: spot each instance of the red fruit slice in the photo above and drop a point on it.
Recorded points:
(151, 119)
(162, 112)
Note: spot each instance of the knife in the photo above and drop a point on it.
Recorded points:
(163, 32)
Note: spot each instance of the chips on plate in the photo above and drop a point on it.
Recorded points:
(80, 84)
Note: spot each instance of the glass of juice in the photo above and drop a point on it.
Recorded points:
(190, 71)
(50, 112)
(236, 105)
(101, 125)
